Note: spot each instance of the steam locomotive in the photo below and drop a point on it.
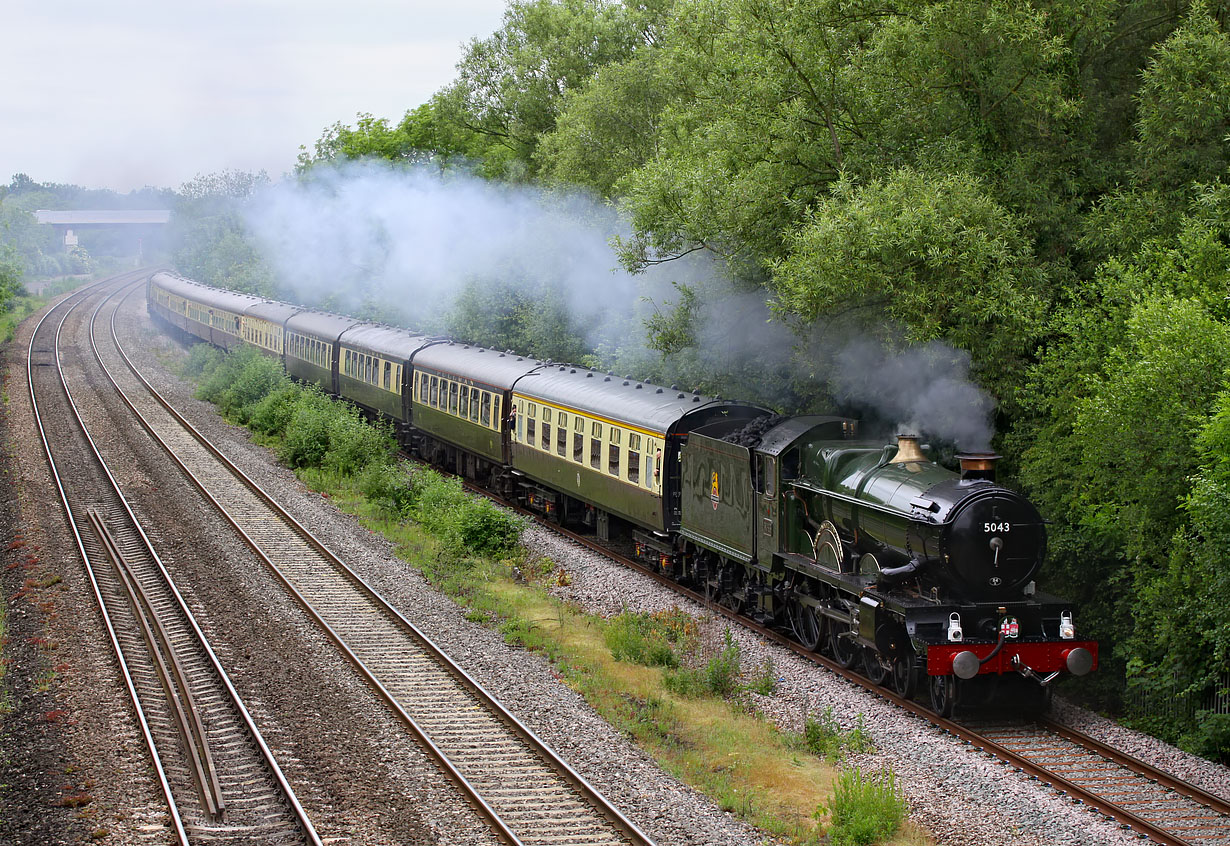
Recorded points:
(868, 551)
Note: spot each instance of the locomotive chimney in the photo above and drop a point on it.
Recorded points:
(907, 450)
(978, 465)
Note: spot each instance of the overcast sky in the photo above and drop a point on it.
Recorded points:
(127, 93)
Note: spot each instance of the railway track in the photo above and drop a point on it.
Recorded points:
(526, 793)
(220, 781)
(1151, 802)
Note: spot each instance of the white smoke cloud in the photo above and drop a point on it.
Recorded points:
(416, 238)
(926, 388)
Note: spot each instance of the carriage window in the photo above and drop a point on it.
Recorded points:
(474, 392)
(485, 416)
(578, 439)
(612, 466)
(388, 375)
(561, 438)
(546, 414)
(452, 397)
(634, 458)
(495, 412)
(533, 410)
(546, 436)
(648, 471)
(435, 392)
(464, 407)
(595, 446)
(423, 390)
(529, 431)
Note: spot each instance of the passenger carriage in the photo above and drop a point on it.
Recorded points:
(312, 347)
(460, 401)
(602, 446)
(263, 326)
(207, 313)
(374, 368)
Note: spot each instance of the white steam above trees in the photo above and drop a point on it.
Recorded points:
(412, 240)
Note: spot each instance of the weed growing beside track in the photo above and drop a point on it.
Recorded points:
(685, 701)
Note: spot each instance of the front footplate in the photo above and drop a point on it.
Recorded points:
(1041, 661)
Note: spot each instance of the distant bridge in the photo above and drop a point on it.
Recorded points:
(70, 220)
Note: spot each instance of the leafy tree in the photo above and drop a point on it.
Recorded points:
(1182, 642)
(10, 277)
(527, 317)
(1184, 115)
(510, 85)
(932, 253)
(420, 138)
(210, 242)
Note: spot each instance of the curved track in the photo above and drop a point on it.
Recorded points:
(516, 782)
(220, 781)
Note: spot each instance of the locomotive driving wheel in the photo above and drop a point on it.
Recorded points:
(943, 694)
(808, 627)
(845, 650)
(872, 668)
(905, 676)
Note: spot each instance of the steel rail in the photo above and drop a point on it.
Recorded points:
(265, 753)
(1167, 780)
(595, 799)
(174, 683)
(177, 824)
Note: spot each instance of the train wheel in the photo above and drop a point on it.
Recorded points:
(943, 694)
(872, 668)
(844, 649)
(905, 676)
(808, 629)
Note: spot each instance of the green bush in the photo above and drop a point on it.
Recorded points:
(218, 377)
(486, 529)
(463, 522)
(272, 414)
(259, 377)
(824, 738)
(865, 809)
(354, 443)
(306, 438)
(389, 486)
(202, 360)
(1210, 736)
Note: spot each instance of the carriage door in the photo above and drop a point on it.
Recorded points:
(766, 507)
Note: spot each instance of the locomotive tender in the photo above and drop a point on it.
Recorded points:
(867, 551)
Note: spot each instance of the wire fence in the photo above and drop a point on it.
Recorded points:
(1170, 701)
